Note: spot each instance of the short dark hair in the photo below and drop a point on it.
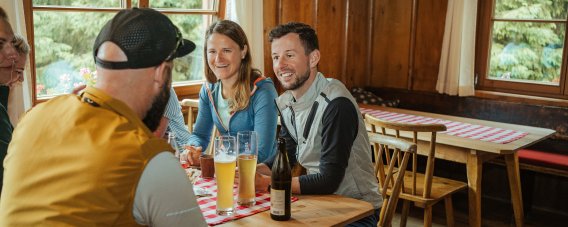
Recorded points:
(307, 34)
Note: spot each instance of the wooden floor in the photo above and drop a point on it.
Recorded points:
(493, 214)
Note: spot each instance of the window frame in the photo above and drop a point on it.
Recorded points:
(482, 58)
(183, 89)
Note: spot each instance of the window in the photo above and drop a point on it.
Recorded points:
(520, 47)
(63, 33)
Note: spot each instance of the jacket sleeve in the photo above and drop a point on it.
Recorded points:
(164, 196)
(340, 126)
(204, 123)
(175, 120)
(265, 120)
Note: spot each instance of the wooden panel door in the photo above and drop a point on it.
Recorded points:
(330, 28)
(358, 56)
(431, 18)
(298, 10)
(391, 39)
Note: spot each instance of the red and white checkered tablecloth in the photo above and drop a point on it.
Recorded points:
(454, 128)
(207, 204)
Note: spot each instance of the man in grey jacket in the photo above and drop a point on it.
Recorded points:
(322, 125)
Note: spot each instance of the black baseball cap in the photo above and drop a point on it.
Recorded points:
(146, 36)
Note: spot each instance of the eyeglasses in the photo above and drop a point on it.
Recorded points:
(179, 40)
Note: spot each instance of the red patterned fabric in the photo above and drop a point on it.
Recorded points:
(207, 204)
(558, 161)
(454, 128)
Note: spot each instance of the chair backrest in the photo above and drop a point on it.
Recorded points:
(192, 105)
(382, 145)
(410, 131)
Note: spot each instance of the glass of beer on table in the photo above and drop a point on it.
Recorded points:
(225, 163)
(248, 153)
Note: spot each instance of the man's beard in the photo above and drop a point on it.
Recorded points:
(299, 81)
(156, 111)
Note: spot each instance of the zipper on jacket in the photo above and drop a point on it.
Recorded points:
(293, 121)
(310, 120)
(212, 101)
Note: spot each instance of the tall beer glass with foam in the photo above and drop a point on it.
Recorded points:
(225, 164)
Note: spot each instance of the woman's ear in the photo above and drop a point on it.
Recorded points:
(314, 58)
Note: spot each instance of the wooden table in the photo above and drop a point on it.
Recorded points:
(314, 210)
(473, 153)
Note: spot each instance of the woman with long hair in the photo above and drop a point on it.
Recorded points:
(235, 97)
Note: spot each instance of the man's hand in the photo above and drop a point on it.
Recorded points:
(78, 89)
(261, 182)
(262, 177)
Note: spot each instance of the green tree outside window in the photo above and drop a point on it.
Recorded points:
(63, 40)
(528, 40)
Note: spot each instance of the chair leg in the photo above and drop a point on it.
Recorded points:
(383, 213)
(449, 211)
(404, 213)
(428, 216)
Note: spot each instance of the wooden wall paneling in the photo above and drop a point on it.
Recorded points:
(298, 10)
(391, 40)
(358, 56)
(431, 18)
(331, 34)
(282, 11)
(270, 20)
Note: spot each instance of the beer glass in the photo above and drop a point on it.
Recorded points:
(178, 152)
(225, 163)
(248, 152)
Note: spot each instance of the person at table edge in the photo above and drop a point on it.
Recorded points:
(235, 97)
(96, 161)
(321, 123)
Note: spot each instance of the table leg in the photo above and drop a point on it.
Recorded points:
(474, 166)
(512, 162)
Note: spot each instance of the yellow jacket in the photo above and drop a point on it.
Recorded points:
(76, 161)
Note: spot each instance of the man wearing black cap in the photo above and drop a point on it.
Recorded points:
(91, 159)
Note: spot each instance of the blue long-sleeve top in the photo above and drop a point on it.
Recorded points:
(260, 116)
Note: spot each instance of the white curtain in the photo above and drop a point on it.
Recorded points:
(248, 14)
(456, 74)
(20, 96)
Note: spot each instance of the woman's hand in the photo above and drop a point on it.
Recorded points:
(193, 154)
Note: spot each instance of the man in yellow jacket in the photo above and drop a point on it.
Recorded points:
(91, 159)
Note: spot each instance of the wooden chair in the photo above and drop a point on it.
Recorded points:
(390, 187)
(193, 105)
(422, 188)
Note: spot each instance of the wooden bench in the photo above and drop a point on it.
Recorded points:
(544, 162)
(533, 161)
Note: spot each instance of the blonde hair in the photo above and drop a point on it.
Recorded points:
(246, 76)
(20, 44)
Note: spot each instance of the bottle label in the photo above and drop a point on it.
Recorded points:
(277, 202)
